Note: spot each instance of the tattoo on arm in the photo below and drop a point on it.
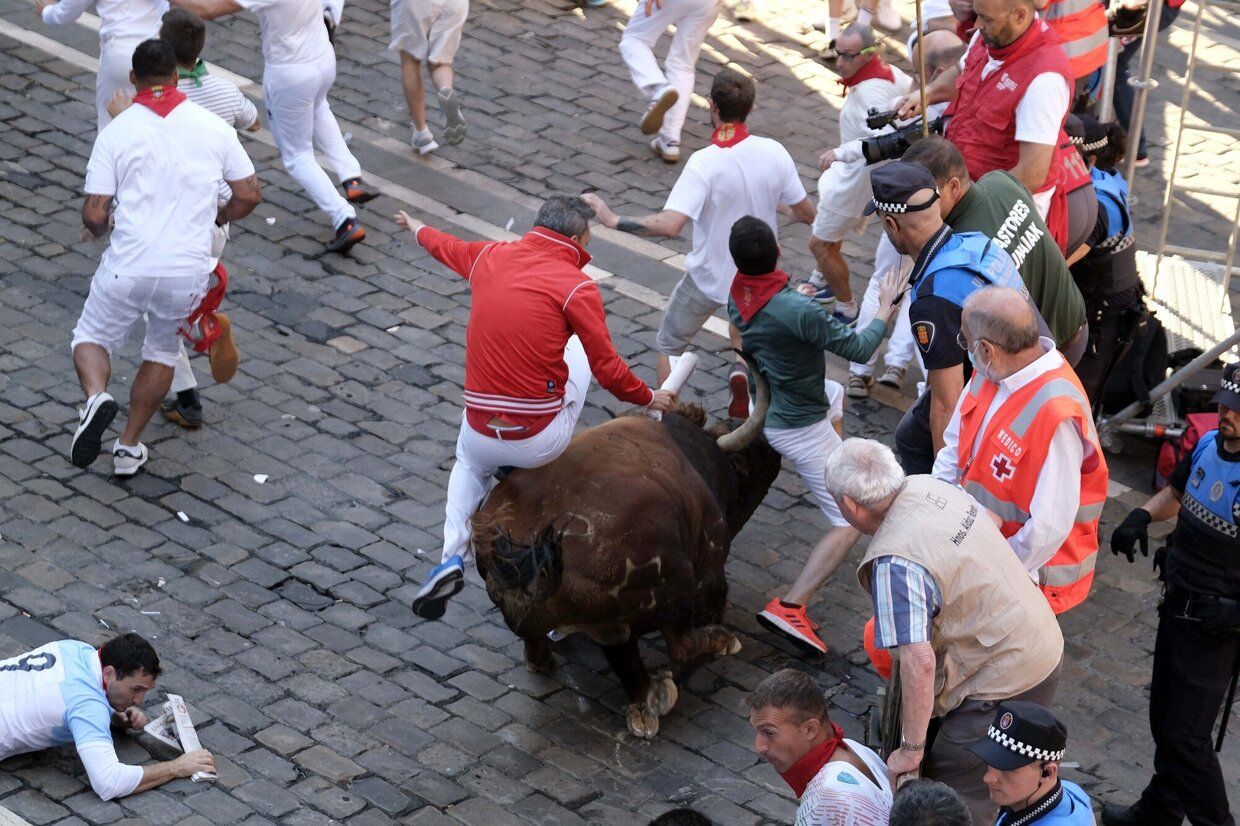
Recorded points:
(247, 194)
(634, 226)
(95, 213)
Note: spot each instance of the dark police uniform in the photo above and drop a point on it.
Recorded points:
(1108, 279)
(1198, 640)
(1024, 733)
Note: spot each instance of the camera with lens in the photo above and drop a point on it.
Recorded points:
(892, 144)
(877, 118)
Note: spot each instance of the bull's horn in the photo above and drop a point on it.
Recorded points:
(740, 438)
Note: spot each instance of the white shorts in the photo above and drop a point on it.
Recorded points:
(808, 448)
(429, 30)
(833, 226)
(687, 310)
(116, 302)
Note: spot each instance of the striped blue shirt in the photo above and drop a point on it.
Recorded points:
(906, 598)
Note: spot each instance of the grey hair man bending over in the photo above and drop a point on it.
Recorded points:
(945, 587)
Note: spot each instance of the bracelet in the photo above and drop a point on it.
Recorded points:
(907, 746)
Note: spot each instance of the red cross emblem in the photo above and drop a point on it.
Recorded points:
(1002, 468)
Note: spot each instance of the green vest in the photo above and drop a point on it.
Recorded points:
(999, 206)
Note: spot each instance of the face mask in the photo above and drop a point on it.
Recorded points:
(978, 366)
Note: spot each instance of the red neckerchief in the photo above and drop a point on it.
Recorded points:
(729, 134)
(1029, 40)
(160, 100)
(965, 28)
(751, 292)
(874, 68)
(803, 771)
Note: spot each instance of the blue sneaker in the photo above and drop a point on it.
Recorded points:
(596, 4)
(825, 296)
(445, 581)
(842, 314)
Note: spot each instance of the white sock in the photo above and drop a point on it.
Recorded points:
(817, 280)
(865, 17)
(833, 28)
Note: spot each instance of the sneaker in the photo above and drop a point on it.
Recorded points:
(423, 141)
(128, 459)
(745, 11)
(887, 17)
(829, 52)
(347, 234)
(330, 23)
(846, 312)
(664, 99)
(455, 128)
(93, 420)
(825, 297)
(738, 381)
(223, 353)
(669, 151)
(596, 4)
(445, 581)
(357, 191)
(792, 623)
(859, 386)
(188, 416)
(1142, 161)
(893, 376)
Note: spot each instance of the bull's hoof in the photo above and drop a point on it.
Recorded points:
(663, 695)
(643, 722)
(734, 646)
(538, 658)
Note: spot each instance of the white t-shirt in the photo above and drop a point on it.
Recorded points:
(844, 187)
(839, 795)
(1041, 110)
(165, 174)
(120, 20)
(293, 31)
(721, 185)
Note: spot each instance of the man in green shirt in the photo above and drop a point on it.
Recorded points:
(787, 333)
(999, 206)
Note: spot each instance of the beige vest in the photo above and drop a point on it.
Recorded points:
(994, 636)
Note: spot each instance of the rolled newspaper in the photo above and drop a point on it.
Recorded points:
(682, 367)
(186, 733)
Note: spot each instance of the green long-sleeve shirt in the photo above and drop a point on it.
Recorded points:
(788, 338)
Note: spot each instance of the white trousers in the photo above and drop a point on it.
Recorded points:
(301, 121)
(808, 449)
(478, 456)
(335, 8)
(900, 345)
(115, 61)
(692, 19)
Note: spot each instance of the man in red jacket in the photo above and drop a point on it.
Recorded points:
(536, 334)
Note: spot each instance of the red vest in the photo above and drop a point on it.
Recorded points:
(1081, 26)
(1003, 475)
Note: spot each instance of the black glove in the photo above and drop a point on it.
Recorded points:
(1218, 616)
(1132, 530)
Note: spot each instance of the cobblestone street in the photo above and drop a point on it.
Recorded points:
(280, 608)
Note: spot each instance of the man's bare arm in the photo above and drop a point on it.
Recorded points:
(157, 774)
(804, 212)
(1033, 164)
(208, 9)
(247, 194)
(95, 212)
(946, 385)
(917, 664)
(665, 224)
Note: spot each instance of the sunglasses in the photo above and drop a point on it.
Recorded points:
(852, 55)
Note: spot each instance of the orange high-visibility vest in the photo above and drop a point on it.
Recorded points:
(1082, 29)
(1004, 473)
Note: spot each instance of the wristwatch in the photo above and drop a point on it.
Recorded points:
(907, 746)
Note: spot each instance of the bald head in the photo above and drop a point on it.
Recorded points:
(1003, 317)
(943, 50)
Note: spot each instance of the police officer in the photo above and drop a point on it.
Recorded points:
(1105, 266)
(1023, 747)
(1198, 644)
(948, 266)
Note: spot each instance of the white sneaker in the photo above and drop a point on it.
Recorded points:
(887, 17)
(664, 99)
(423, 141)
(127, 459)
(93, 420)
(859, 386)
(893, 376)
(454, 128)
(669, 151)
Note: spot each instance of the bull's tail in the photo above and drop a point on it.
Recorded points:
(535, 569)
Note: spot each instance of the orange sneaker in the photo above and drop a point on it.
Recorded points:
(223, 352)
(793, 624)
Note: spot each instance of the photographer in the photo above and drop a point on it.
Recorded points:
(1197, 648)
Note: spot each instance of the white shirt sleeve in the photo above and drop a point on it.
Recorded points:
(109, 777)
(101, 168)
(237, 164)
(1041, 111)
(947, 460)
(849, 152)
(66, 11)
(689, 193)
(794, 190)
(1052, 512)
(247, 114)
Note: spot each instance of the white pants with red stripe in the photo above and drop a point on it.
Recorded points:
(478, 456)
(692, 19)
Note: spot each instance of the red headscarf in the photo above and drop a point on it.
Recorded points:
(751, 292)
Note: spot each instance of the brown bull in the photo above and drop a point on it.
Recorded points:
(627, 533)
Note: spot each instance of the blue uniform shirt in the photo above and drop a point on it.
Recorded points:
(1068, 806)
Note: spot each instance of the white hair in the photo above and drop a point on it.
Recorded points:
(865, 471)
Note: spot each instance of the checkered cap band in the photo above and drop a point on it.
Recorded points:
(1024, 749)
(1231, 386)
(1076, 140)
(1091, 147)
(886, 207)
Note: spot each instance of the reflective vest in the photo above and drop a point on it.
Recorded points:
(981, 262)
(1082, 29)
(1003, 474)
(1212, 496)
(1112, 192)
